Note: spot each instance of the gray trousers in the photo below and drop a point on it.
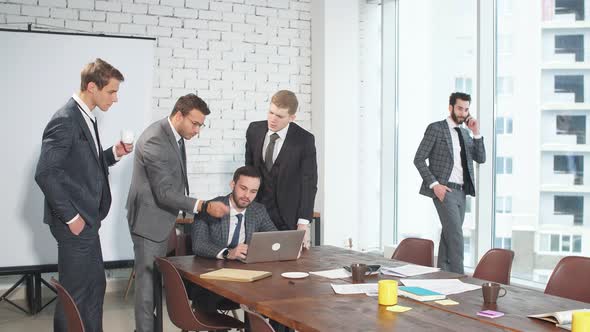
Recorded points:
(81, 273)
(145, 251)
(451, 212)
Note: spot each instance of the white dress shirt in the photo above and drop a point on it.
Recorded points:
(233, 223)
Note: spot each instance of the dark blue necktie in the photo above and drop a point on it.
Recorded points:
(236, 237)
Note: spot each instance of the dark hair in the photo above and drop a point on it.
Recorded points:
(186, 104)
(99, 72)
(250, 171)
(285, 99)
(458, 95)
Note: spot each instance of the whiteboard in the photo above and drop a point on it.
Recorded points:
(39, 72)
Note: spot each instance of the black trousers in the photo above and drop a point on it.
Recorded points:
(81, 273)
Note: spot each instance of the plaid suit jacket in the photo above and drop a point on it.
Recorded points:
(210, 234)
(437, 148)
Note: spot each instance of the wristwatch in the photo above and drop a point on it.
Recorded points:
(225, 253)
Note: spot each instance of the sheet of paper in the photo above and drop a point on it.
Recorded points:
(443, 286)
(447, 302)
(354, 288)
(332, 274)
(409, 270)
(398, 308)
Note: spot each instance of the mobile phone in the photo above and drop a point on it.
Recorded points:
(370, 268)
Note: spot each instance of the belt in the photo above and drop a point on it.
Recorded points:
(454, 185)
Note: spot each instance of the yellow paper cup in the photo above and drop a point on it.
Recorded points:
(387, 292)
(581, 321)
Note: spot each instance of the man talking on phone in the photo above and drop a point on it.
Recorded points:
(448, 177)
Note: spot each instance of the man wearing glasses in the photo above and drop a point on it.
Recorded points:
(159, 191)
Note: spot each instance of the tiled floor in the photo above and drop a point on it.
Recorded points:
(118, 317)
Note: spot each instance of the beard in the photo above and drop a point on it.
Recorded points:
(237, 201)
(457, 120)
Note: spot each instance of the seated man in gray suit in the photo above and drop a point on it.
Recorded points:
(227, 237)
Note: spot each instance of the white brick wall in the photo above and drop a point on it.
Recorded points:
(233, 53)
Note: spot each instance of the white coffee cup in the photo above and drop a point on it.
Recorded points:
(127, 136)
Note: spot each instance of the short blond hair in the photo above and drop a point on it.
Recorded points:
(99, 72)
(285, 99)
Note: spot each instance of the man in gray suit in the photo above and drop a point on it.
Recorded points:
(73, 172)
(159, 191)
(228, 238)
(448, 176)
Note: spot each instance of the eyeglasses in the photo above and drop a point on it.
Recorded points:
(196, 124)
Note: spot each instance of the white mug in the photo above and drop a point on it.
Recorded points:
(127, 136)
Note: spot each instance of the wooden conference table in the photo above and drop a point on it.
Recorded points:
(310, 304)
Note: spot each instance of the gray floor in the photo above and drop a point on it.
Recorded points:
(118, 316)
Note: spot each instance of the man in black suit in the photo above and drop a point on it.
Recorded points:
(73, 172)
(285, 155)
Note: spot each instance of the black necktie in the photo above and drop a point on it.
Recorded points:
(183, 156)
(467, 183)
(236, 237)
(101, 160)
(269, 151)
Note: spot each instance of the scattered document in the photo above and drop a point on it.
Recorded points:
(408, 270)
(443, 286)
(447, 302)
(398, 308)
(332, 274)
(562, 319)
(354, 288)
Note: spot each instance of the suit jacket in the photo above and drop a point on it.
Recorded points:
(437, 147)
(70, 172)
(157, 191)
(210, 234)
(297, 171)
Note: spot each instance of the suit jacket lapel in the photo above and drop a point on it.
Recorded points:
(287, 145)
(225, 223)
(172, 140)
(73, 107)
(259, 144)
(447, 134)
(250, 224)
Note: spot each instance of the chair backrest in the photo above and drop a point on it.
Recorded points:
(71, 311)
(495, 266)
(179, 309)
(567, 279)
(177, 304)
(172, 247)
(416, 251)
(256, 322)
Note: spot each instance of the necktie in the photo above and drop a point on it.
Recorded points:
(183, 156)
(236, 237)
(467, 183)
(269, 151)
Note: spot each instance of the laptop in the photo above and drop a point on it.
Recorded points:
(274, 246)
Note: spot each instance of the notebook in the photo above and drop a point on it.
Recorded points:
(419, 293)
(562, 319)
(236, 275)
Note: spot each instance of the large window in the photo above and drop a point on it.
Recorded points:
(540, 208)
(429, 72)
